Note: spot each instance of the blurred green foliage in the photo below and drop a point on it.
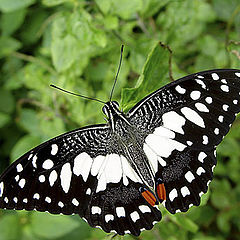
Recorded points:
(75, 44)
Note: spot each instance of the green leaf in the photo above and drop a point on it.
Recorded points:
(100, 38)
(23, 145)
(4, 119)
(154, 75)
(52, 3)
(10, 45)
(223, 222)
(29, 121)
(229, 147)
(225, 8)
(13, 5)
(185, 223)
(50, 129)
(7, 102)
(151, 7)
(11, 21)
(127, 9)
(220, 199)
(205, 198)
(64, 52)
(38, 17)
(10, 227)
(111, 22)
(49, 226)
(104, 5)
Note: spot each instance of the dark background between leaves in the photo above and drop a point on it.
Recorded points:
(75, 44)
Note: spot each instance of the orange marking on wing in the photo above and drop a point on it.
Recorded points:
(149, 197)
(161, 191)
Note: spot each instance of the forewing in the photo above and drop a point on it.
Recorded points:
(81, 172)
(184, 122)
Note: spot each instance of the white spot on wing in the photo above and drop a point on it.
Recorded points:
(113, 169)
(60, 204)
(144, 208)
(162, 162)
(235, 101)
(216, 131)
(34, 161)
(224, 81)
(1, 188)
(66, 176)
(225, 107)
(75, 202)
(19, 167)
(36, 196)
(22, 183)
(225, 88)
(237, 74)
(82, 165)
(102, 183)
(163, 146)
(88, 192)
(193, 116)
(209, 100)
(54, 149)
(48, 199)
(201, 107)
(41, 178)
(152, 157)
(96, 210)
(109, 217)
(53, 177)
(200, 82)
(205, 139)
(200, 170)
(195, 95)
(220, 118)
(120, 212)
(173, 194)
(6, 200)
(173, 121)
(17, 178)
(128, 170)
(97, 163)
(185, 191)
(215, 76)
(164, 132)
(48, 164)
(189, 176)
(15, 199)
(180, 90)
(134, 216)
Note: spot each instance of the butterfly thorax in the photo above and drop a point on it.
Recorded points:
(129, 140)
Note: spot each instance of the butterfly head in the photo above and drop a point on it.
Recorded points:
(110, 109)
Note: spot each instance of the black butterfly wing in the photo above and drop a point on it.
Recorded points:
(184, 122)
(80, 172)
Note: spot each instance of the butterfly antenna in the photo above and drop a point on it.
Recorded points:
(119, 66)
(75, 94)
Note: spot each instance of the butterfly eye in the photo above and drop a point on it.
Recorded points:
(104, 110)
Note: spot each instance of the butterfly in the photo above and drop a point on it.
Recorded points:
(114, 175)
